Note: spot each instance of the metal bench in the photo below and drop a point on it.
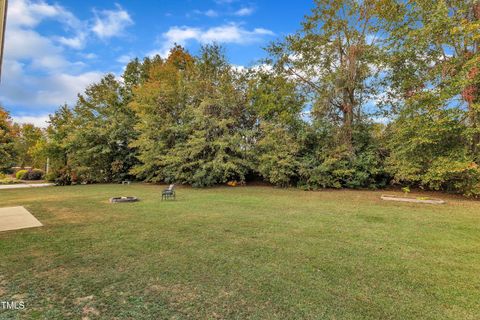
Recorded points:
(169, 193)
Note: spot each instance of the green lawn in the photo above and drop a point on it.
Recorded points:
(239, 253)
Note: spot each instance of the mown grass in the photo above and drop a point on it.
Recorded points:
(239, 253)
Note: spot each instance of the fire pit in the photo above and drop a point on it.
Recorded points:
(123, 199)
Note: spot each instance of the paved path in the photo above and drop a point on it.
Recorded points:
(25, 185)
(15, 218)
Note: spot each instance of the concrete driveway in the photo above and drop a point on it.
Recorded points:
(25, 185)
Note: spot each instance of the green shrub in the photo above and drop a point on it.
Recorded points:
(20, 175)
(9, 181)
(339, 169)
(64, 177)
(51, 176)
(35, 174)
(278, 156)
(430, 149)
(459, 176)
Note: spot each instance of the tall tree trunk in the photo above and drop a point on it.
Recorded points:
(471, 94)
(347, 129)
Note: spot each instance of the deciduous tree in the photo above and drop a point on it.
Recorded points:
(7, 141)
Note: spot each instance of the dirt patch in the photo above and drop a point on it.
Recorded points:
(89, 311)
(20, 297)
(3, 284)
(176, 294)
(82, 300)
(59, 273)
(62, 216)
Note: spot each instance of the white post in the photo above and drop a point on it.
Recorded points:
(3, 22)
(48, 165)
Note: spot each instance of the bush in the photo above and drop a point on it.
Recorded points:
(35, 174)
(459, 176)
(430, 149)
(9, 181)
(63, 177)
(51, 176)
(21, 174)
(278, 156)
(343, 170)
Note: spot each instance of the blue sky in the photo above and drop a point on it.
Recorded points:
(53, 49)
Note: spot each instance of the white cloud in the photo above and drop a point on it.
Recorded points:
(37, 74)
(244, 11)
(209, 13)
(21, 44)
(258, 68)
(228, 33)
(76, 42)
(63, 88)
(233, 34)
(124, 59)
(239, 68)
(381, 120)
(225, 1)
(27, 13)
(37, 120)
(111, 23)
(42, 91)
(89, 56)
(263, 67)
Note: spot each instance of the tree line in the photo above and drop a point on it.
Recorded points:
(366, 94)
